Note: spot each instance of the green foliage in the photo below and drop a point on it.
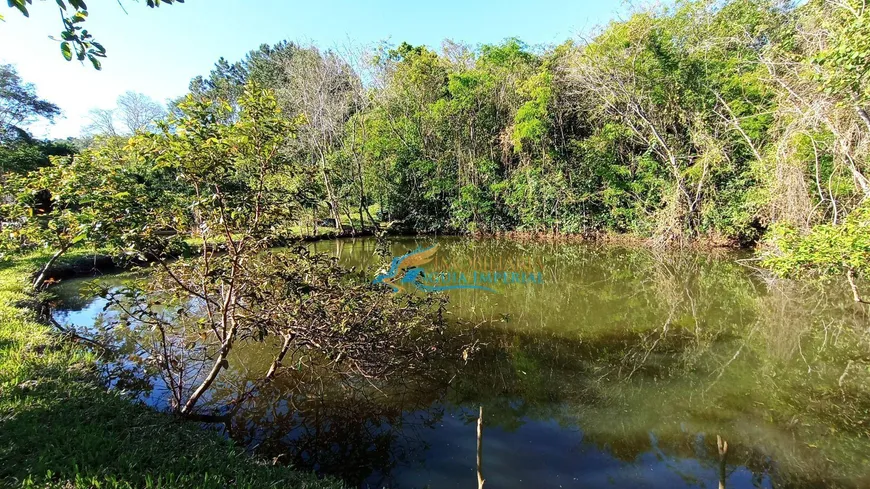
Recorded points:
(75, 40)
(26, 155)
(19, 105)
(828, 249)
(726, 119)
(677, 123)
(103, 196)
(652, 127)
(58, 422)
(846, 62)
(531, 122)
(222, 166)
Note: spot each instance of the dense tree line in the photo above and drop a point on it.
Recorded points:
(726, 120)
(705, 118)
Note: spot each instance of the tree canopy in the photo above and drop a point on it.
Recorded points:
(75, 40)
(19, 104)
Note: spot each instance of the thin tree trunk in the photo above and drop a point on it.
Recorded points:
(219, 363)
(40, 279)
(850, 276)
(314, 221)
(333, 202)
(722, 445)
(862, 113)
(859, 177)
(375, 224)
(349, 220)
(480, 479)
(288, 338)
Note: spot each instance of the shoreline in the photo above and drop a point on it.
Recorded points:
(60, 426)
(93, 264)
(700, 243)
(32, 334)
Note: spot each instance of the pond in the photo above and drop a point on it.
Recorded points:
(619, 367)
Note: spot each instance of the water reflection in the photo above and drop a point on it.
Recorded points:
(620, 370)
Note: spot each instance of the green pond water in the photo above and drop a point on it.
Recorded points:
(618, 368)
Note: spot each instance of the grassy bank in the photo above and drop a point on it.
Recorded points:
(61, 427)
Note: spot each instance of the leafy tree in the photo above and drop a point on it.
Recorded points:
(102, 197)
(264, 66)
(235, 172)
(19, 104)
(695, 120)
(75, 40)
(27, 154)
(829, 250)
(846, 61)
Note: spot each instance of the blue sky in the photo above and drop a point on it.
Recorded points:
(158, 51)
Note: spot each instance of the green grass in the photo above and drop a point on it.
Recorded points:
(60, 426)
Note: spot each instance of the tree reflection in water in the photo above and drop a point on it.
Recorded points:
(621, 369)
